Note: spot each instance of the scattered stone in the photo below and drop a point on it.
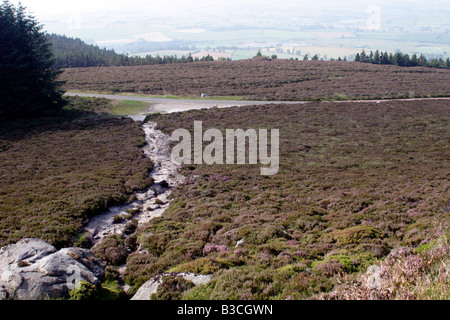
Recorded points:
(153, 207)
(239, 243)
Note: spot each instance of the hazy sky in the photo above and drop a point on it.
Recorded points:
(50, 8)
(81, 14)
(91, 19)
(43, 7)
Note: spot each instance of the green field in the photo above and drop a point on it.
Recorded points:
(333, 42)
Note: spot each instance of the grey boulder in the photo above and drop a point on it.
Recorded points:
(32, 269)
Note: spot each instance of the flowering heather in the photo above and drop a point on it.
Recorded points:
(374, 177)
(405, 274)
(218, 177)
(209, 248)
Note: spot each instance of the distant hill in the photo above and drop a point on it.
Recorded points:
(70, 52)
(75, 53)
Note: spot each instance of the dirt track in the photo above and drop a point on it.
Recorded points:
(177, 105)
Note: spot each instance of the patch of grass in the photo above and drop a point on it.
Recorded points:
(127, 107)
(199, 266)
(103, 106)
(343, 263)
(109, 290)
(339, 96)
(352, 235)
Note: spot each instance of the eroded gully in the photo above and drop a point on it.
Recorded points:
(150, 203)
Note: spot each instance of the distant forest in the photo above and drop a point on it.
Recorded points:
(402, 60)
(75, 53)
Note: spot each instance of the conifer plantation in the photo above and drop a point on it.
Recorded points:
(75, 53)
(402, 60)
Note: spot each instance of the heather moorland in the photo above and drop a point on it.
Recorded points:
(356, 181)
(360, 184)
(57, 172)
(263, 79)
(93, 205)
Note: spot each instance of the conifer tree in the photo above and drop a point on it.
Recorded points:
(363, 56)
(385, 58)
(27, 76)
(370, 58)
(413, 61)
(376, 57)
(258, 54)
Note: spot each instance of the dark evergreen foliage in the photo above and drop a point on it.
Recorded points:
(402, 60)
(75, 53)
(27, 74)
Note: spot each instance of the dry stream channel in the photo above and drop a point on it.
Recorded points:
(150, 203)
(155, 200)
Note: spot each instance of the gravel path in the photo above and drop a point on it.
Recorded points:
(178, 105)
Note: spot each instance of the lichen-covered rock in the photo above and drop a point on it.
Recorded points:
(32, 269)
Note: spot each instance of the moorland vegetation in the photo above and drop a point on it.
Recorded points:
(264, 79)
(58, 171)
(356, 181)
